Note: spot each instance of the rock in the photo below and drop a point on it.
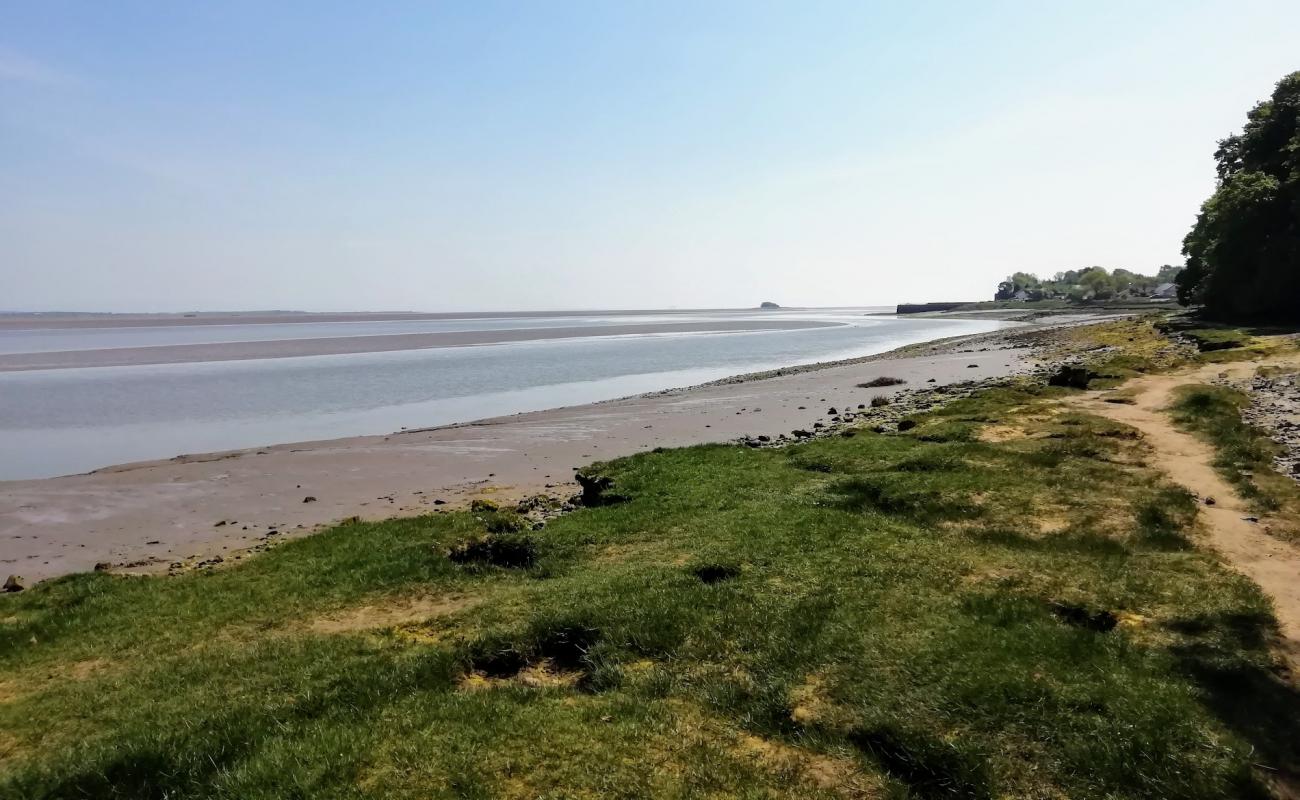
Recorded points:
(440, 502)
(972, 366)
(832, 411)
(1209, 501)
(595, 490)
(103, 566)
(15, 583)
(817, 425)
(309, 499)
(220, 524)
(765, 438)
(801, 434)
(1073, 377)
(906, 424)
(768, 304)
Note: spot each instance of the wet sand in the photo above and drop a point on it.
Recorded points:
(339, 345)
(152, 514)
(72, 320)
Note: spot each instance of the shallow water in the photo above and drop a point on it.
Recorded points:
(72, 420)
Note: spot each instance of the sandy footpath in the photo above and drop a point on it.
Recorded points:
(151, 514)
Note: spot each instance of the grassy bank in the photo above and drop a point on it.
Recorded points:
(1006, 600)
(1244, 454)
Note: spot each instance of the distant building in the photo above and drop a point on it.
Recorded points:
(1166, 291)
(1020, 296)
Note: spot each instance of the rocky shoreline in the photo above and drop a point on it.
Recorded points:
(1275, 409)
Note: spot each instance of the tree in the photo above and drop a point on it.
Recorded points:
(1243, 253)
(1024, 280)
(1168, 274)
(1097, 281)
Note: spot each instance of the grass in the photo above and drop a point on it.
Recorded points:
(1244, 454)
(882, 616)
(1221, 343)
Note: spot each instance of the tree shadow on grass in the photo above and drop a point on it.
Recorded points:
(890, 495)
(185, 760)
(1253, 701)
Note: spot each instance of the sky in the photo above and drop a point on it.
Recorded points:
(442, 156)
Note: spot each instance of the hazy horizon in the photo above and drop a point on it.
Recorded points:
(465, 311)
(578, 157)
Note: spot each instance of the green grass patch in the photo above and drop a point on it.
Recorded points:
(897, 613)
(1244, 454)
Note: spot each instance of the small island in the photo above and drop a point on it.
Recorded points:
(768, 304)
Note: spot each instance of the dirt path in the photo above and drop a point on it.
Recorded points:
(1270, 562)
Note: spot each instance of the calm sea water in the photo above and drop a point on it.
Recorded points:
(62, 421)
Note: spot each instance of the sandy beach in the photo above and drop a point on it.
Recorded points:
(147, 516)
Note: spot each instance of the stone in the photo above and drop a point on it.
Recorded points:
(1209, 501)
(595, 490)
(309, 499)
(103, 566)
(1073, 377)
(15, 583)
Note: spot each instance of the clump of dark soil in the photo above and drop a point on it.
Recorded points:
(883, 380)
(716, 573)
(497, 550)
(930, 768)
(563, 649)
(1100, 620)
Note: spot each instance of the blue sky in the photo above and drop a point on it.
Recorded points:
(441, 156)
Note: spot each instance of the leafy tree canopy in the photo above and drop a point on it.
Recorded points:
(1243, 253)
(1083, 284)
